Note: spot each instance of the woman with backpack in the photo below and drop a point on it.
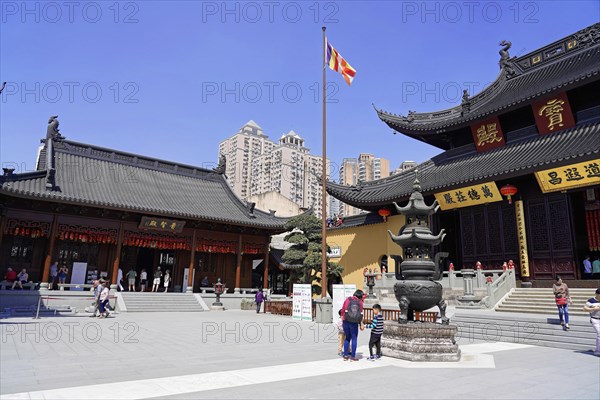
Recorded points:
(352, 316)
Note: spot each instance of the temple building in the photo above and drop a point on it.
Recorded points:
(518, 176)
(96, 210)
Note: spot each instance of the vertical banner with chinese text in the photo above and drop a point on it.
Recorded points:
(487, 134)
(522, 236)
(553, 114)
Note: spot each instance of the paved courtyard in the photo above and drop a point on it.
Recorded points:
(238, 354)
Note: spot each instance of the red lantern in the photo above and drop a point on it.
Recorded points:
(508, 191)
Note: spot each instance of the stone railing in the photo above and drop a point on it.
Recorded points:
(455, 279)
(500, 287)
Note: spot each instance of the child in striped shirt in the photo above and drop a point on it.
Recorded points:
(376, 327)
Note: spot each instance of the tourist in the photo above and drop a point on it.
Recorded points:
(587, 268)
(562, 299)
(376, 327)
(341, 336)
(596, 268)
(167, 280)
(156, 282)
(143, 280)
(131, 275)
(62, 274)
(259, 298)
(352, 314)
(120, 279)
(97, 290)
(511, 264)
(11, 276)
(21, 279)
(205, 282)
(104, 296)
(593, 307)
(53, 274)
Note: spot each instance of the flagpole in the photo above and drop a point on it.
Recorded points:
(323, 177)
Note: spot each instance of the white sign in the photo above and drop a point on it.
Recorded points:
(302, 302)
(340, 294)
(335, 252)
(78, 274)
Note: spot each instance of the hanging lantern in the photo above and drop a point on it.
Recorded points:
(384, 213)
(508, 191)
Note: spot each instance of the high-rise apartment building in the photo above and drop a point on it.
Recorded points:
(366, 168)
(405, 166)
(256, 165)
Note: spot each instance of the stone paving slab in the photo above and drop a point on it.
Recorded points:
(142, 346)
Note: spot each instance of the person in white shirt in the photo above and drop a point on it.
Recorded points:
(143, 280)
(119, 279)
(593, 307)
(167, 280)
(104, 296)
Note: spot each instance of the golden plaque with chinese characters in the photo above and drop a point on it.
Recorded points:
(570, 176)
(553, 114)
(469, 196)
(161, 224)
(487, 134)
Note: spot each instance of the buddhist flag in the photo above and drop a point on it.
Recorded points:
(337, 63)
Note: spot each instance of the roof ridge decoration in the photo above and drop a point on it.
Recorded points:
(494, 97)
(52, 135)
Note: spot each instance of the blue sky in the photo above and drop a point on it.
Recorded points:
(172, 79)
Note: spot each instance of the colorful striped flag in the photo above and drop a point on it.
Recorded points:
(337, 63)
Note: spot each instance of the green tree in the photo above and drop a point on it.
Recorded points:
(305, 253)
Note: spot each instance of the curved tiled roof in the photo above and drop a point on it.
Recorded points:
(98, 177)
(559, 68)
(517, 158)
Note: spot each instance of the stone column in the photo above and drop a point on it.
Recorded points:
(238, 266)
(190, 283)
(49, 253)
(468, 275)
(117, 259)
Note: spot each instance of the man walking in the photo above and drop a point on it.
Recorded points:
(259, 298)
(131, 275)
(587, 268)
(593, 307)
(53, 274)
(156, 282)
(120, 279)
(96, 289)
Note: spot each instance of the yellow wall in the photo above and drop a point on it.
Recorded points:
(363, 246)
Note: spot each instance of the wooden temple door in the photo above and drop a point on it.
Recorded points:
(549, 236)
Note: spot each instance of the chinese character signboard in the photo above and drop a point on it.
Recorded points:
(570, 176)
(469, 196)
(553, 114)
(335, 252)
(487, 134)
(161, 224)
(523, 256)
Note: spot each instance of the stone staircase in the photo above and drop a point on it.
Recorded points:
(541, 301)
(531, 330)
(160, 302)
